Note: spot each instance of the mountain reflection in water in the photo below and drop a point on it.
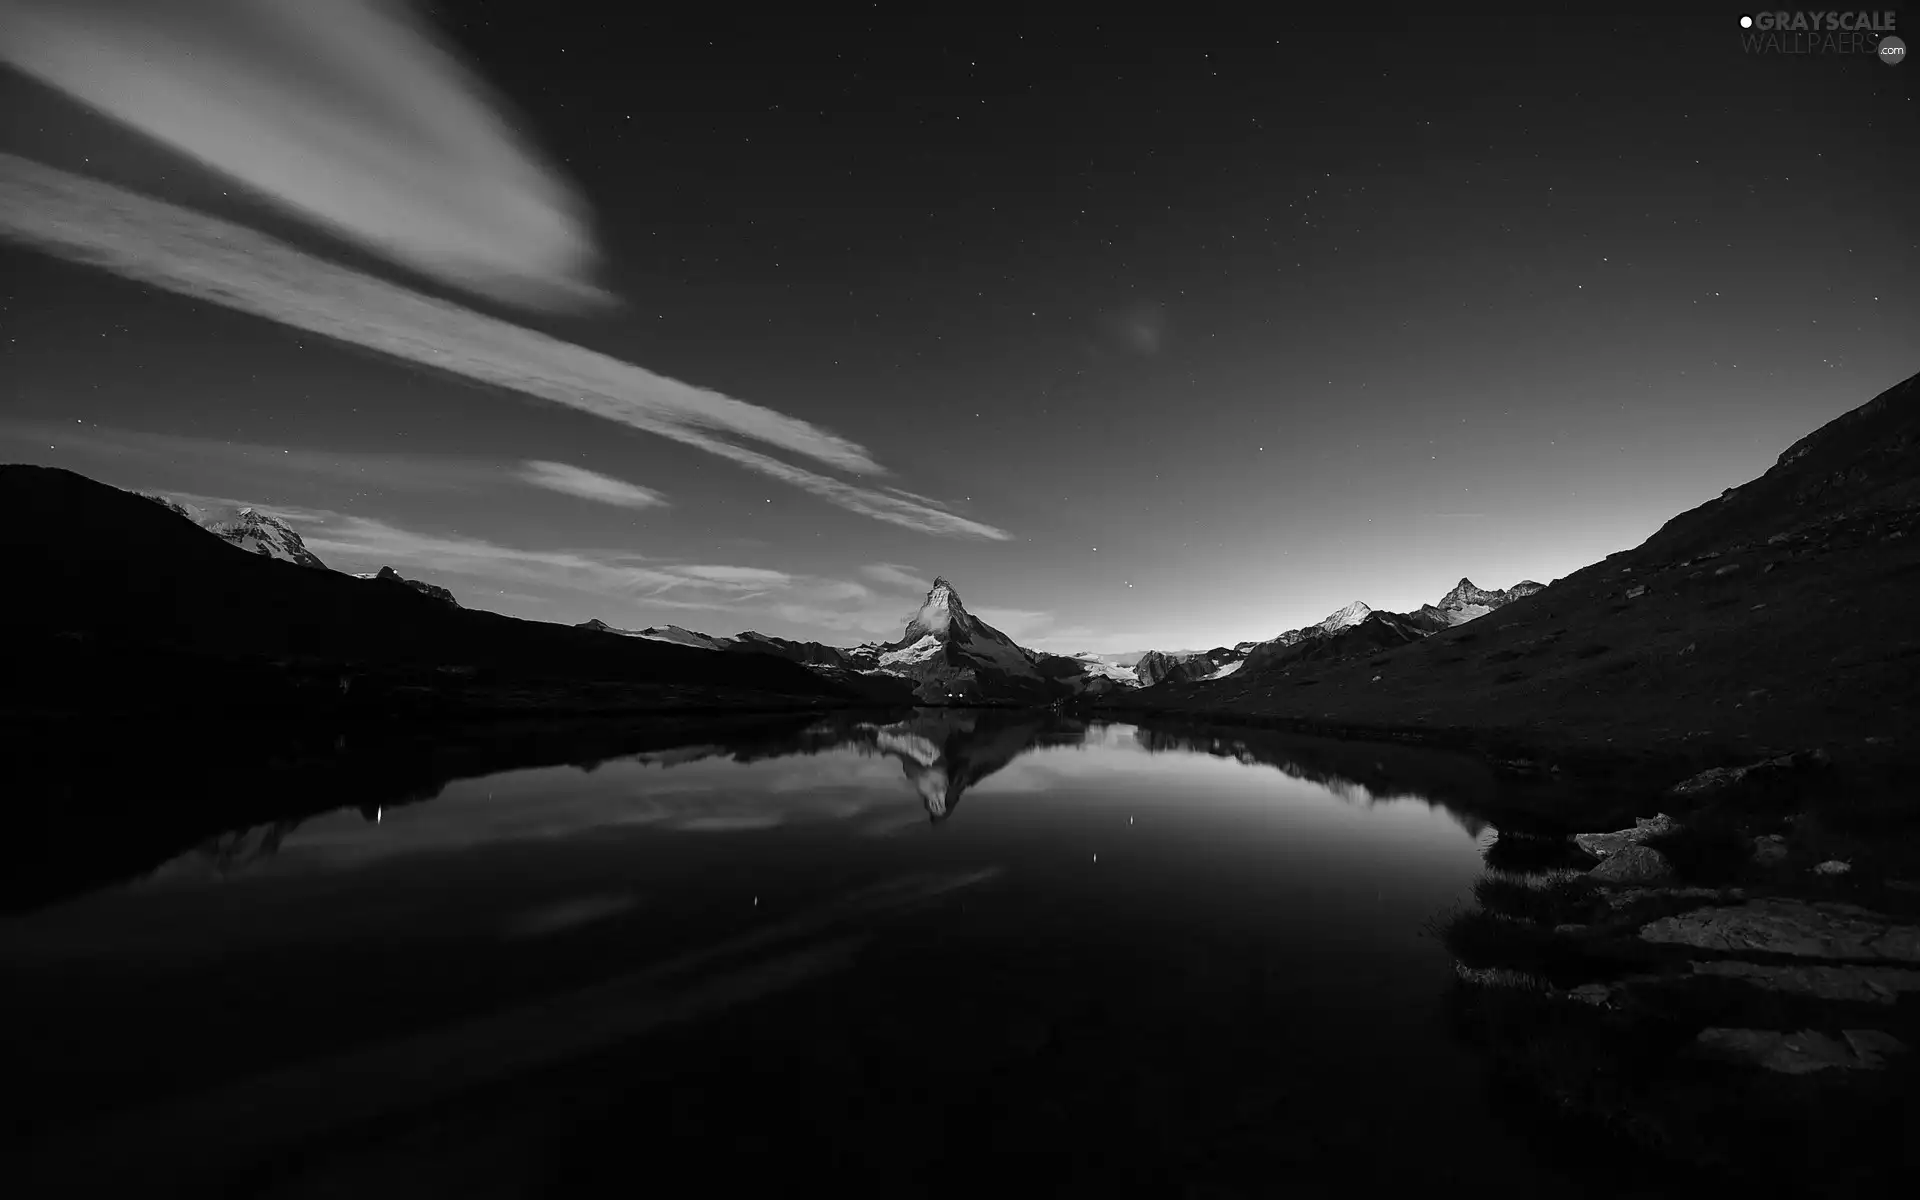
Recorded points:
(942, 752)
(1209, 936)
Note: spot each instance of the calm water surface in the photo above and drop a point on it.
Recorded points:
(927, 954)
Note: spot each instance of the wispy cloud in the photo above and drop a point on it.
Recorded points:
(882, 505)
(371, 542)
(347, 113)
(199, 256)
(589, 485)
(897, 575)
(735, 595)
(758, 577)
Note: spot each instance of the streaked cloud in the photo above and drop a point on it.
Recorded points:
(882, 505)
(369, 542)
(589, 485)
(190, 253)
(897, 575)
(743, 576)
(348, 113)
(735, 596)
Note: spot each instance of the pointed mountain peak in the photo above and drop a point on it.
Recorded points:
(938, 614)
(1349, 616)
(1467, 593)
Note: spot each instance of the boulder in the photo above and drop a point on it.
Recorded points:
(1596, 994)
(1833, 866)
(1795, 927)
(1800, 1053)
(1717, 778)
(1769, 851)
(1603, 845)
(1872, 1046)
(1858, 985)
(1633, 865)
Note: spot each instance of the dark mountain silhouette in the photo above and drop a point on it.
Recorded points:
(121, 605)
(387, 575)
(1777, 616)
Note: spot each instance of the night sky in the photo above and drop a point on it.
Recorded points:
(1144, 336)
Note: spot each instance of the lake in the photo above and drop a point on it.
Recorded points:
(922, 953)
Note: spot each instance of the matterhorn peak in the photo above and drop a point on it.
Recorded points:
(938, 612)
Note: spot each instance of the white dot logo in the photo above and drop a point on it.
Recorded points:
(1892, 51)
(1746, 22)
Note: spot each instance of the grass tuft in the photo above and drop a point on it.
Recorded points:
(1556, 900)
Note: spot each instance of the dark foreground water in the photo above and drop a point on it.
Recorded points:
(931, 953)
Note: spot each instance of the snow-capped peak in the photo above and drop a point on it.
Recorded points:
(249, 528)
(1347, 617)
(266, 535)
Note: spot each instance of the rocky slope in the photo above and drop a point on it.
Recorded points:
(1773, 617)
(1156, 667)
(672, 634)
(387, 575)
(1467, 602)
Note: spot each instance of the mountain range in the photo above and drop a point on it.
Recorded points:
(1355, 625)
(1770, 611)
(946, 655)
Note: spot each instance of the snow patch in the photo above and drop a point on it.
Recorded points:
(917, 652)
